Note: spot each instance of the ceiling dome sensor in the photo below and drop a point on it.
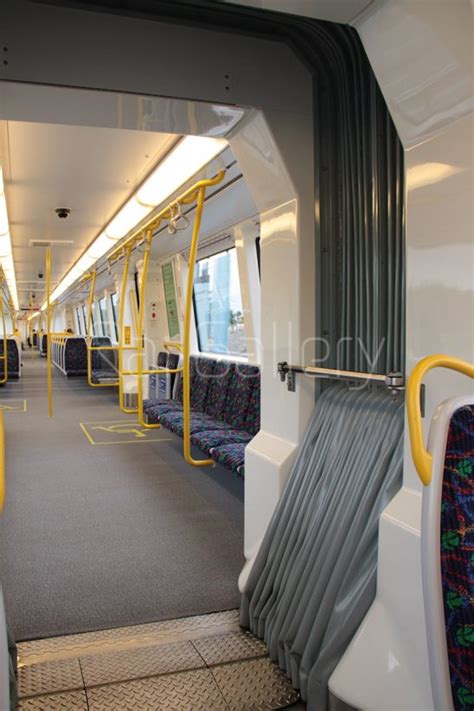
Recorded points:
(62, 212)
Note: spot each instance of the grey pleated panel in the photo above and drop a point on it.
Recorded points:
(315, 574)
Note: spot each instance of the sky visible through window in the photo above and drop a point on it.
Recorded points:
(218, 305)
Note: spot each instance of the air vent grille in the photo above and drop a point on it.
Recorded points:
(50, 242)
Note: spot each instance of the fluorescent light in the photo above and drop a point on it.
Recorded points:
(129, 216)
(6, 258)
(189, 156)
(5, 245)
(100, 247)
(3, 215)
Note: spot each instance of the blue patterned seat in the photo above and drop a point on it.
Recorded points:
(75, 356)
(231, 456)
(225, 409)
(457, 557)
(13, 359)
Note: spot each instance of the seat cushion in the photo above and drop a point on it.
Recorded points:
(208, 439)
(199, 421)
(162, 404)
(98, 376)
(231, 456)
(156, 410)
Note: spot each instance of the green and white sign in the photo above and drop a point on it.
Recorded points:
(171, 301)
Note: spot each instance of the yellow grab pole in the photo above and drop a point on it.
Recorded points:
(123, 294)
(140, 334)
(48, 330)
(421, 457)
(187, 337)
(4, 356)
(89, 326)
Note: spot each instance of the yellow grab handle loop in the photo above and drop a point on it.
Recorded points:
(421, 457)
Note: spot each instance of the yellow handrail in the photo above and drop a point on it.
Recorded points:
(196, 193)
(421, 457)
(93, 276)
(48, 332)
(121, 345)
(2, 462)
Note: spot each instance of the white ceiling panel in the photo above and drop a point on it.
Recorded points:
(91, 171)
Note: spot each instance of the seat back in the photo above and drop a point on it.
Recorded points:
(13, 358)
(103, 360)
(447, 540)
(75, 355)
(218, 387)
(204, 372)
(241, 385)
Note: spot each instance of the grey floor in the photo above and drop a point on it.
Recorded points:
(113, 534)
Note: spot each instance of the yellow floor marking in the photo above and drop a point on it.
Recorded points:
(119, 428)
(13, 405)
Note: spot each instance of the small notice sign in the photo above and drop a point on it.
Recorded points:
(127, 335)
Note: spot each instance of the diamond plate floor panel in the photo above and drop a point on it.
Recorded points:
(253, 685)
(165, 632)
(72, 701)
(231, 647)
(48, 677)
(136, 663)
(185, 691)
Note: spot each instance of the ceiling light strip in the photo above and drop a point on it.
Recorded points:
(6, 256)
(189, 157)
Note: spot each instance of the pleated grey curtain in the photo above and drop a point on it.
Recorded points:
(315, 575)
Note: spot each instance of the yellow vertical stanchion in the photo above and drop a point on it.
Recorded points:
(89, 327)
(48, 331)
(187, 338)
(140, 334)
(123, 295)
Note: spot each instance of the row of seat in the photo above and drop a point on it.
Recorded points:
(70, 356)
(225, 409)
(13, 359)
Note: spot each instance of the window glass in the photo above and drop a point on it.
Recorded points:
(114, 300)
(218, 305)
(103, 317)
(78, 321)
(84, 316)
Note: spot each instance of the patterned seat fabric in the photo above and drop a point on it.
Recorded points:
(241, 383)
(13, 359)
(217, 392)
(231, 456)
(208, 439)
(457, 555)
(252, 420)
(159, 407)
(75, 356)
(203, 374)
(174, 421)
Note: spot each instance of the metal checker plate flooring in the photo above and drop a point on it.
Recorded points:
(205, 662)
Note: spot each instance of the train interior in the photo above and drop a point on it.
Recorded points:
(235, 241)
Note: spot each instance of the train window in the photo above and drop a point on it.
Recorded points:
(84, 316)
(103, 316)
(78, 319)
(114, 301)
(218, 305)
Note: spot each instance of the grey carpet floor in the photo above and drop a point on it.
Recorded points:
(93, 537)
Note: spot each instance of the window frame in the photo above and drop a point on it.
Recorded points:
(223, 356)
(114, 314)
